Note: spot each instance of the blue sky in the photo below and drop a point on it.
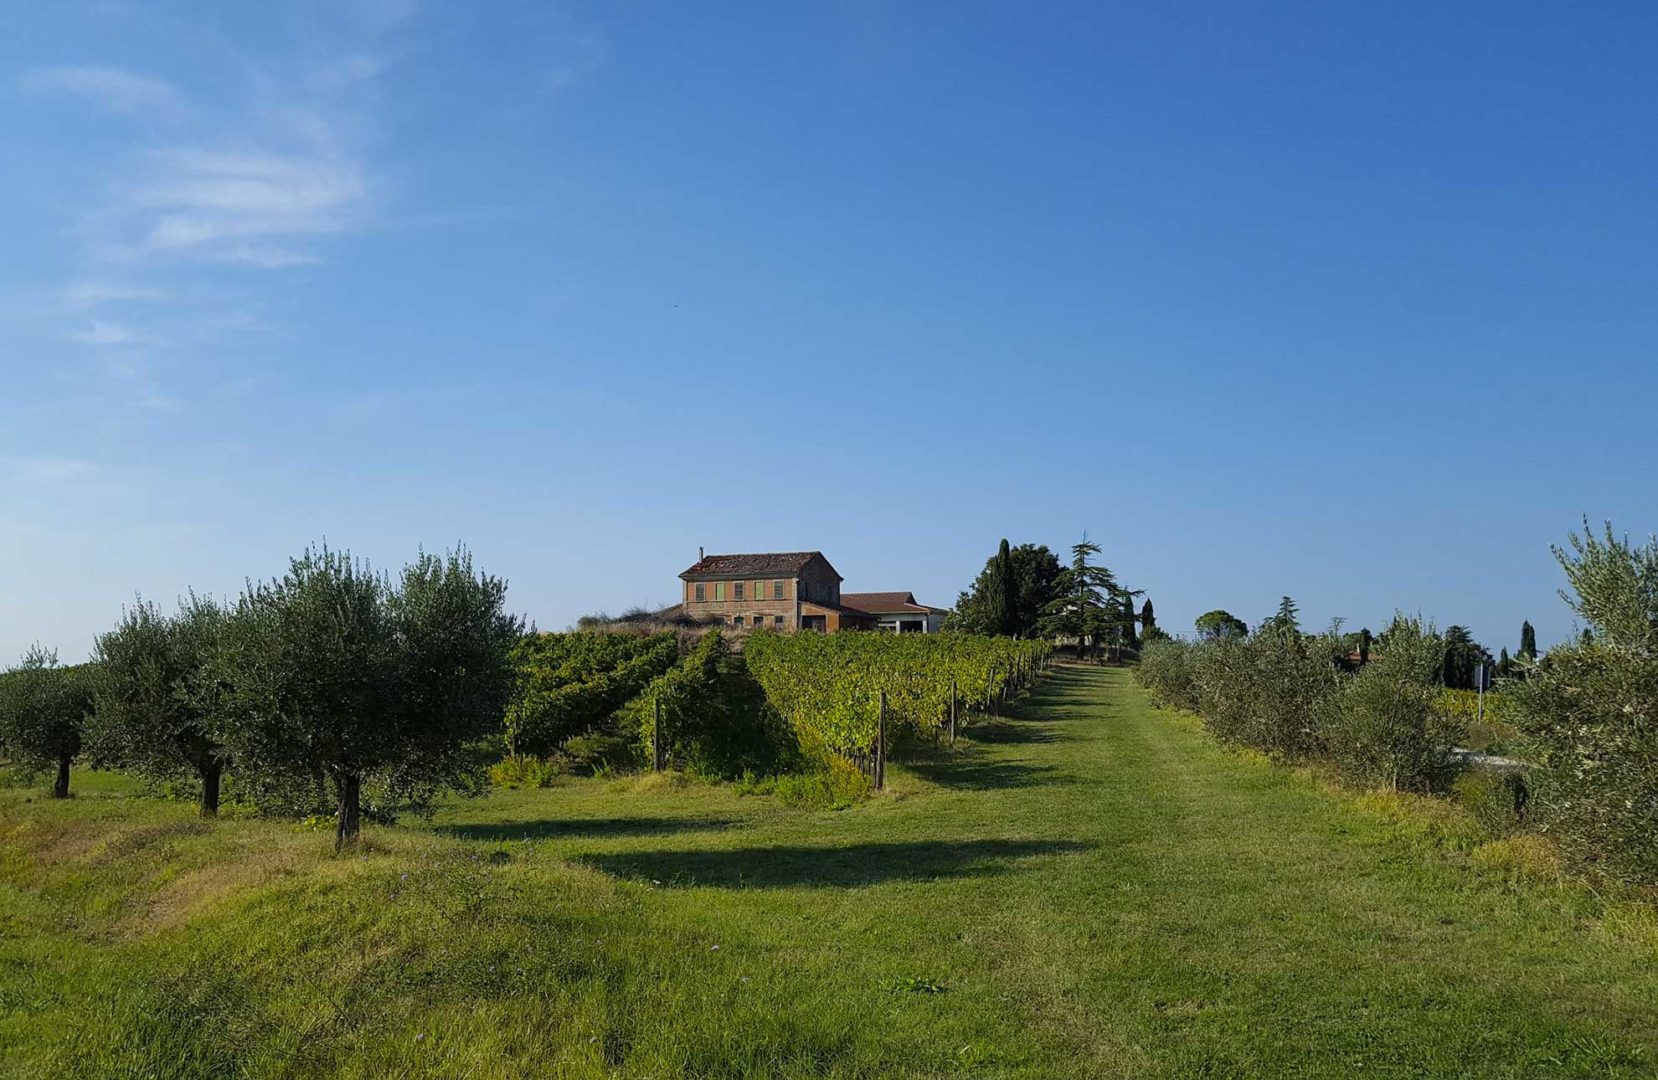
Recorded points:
(1348, 301)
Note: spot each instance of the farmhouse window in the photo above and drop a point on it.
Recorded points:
(736, 590)
(702, 591)
(777, 589)
(719, 590)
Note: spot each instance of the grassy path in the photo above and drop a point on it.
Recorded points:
(1091, 888)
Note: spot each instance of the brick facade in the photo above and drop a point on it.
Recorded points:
(782, 591)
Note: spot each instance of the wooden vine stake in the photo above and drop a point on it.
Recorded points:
(659, 746)
(881, 746)
(952, 712)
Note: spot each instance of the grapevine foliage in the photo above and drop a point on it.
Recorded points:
(569, 684)
(828, 686)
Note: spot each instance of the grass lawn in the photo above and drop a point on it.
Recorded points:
(1091, 888)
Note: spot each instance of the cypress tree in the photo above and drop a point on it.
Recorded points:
(1003, 592)
(1148, 618)
(1365, 640)
(1528, 641)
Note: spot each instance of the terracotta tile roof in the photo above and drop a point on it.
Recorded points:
(763, 564)
(884, 603)
(824, 605)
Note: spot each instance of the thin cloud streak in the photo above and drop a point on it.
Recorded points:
(257, 181)
(248, 207)
(112, 88)
(105, 333)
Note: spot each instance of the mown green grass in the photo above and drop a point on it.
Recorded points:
(1092, 888)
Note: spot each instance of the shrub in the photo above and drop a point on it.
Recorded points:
(1496, 799)
(1168, 672)
(1589, 712)
(1385, 726)
(528, 772)
(1267, 691)
(836, 786)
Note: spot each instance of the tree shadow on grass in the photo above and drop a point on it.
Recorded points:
(828, 867)
(974, 773)
(555, 828)
(1008, 732)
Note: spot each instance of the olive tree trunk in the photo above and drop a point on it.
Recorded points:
(350, 823)
(60, 789)
(210, 789)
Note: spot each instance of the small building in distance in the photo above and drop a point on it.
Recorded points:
(788, 590)
(897, 612)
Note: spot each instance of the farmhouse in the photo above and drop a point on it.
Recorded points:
(792, 590)
(897, 612)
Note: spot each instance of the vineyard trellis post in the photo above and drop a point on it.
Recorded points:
(952, 712)
(881, 746)
(659, 745)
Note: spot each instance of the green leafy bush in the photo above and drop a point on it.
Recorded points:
(528, 772)
(1268, 691)
(1168, 671)
(1384, 726)
(1589, 712)
(1496, 799)
(835, 786)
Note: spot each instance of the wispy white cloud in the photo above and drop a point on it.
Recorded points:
(104, 333)
(249, 206)
(256, 178)
(112, 88)
(87, 295)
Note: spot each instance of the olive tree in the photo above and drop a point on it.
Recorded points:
(1587, 712)
(337, 671)
(154, 695)
(43, 709)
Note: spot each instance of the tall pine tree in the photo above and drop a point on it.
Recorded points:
(1084, 608)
